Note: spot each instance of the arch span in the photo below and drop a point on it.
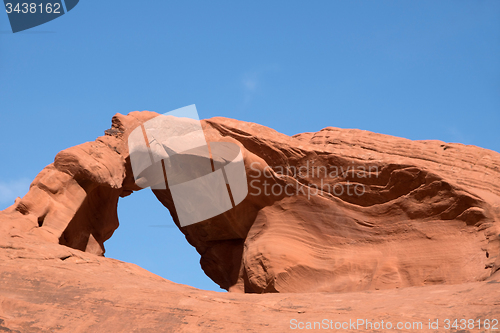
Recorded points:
(337, 210)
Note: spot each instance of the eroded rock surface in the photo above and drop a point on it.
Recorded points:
(333, 211)
(46, 287)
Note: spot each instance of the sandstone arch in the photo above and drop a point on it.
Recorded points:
(429, 214)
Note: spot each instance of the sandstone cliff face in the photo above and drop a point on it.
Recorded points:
(333, 211)
(46, 287)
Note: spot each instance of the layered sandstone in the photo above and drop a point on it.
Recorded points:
(333, 211)
(45, 287)
(337, 210)
(399, 228)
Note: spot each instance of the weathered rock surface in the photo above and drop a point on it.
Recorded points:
(334, 211)
(429, 213)
(46, 287)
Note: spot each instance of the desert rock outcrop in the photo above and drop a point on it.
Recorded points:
(333, 211)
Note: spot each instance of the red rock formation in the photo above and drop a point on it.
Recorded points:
(73, 201)
(428, 214)
(45, 287)
(361, 211)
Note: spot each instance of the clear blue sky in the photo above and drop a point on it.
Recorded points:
(415, 69)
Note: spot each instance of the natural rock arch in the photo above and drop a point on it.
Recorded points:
(429, 212)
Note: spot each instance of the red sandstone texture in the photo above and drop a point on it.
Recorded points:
(370, 226)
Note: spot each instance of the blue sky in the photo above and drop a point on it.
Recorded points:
(419, 70)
